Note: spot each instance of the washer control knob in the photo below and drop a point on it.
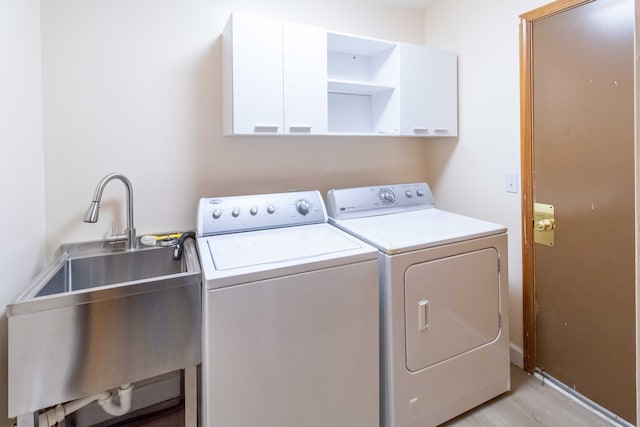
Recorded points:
(217, 214)
(303, 206)
(409, 194)
(387, 196)
(235, 212)
(271, 209)
(420, 193)
(254, 210)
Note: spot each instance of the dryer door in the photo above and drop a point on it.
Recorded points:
(452, 305)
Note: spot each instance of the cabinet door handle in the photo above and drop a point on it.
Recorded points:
(265, 128)
(441, 130)
(423, 315)
(300, 128)
(421, 130)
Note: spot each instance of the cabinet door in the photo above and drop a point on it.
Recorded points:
(414, 87)
(443, 91)
(256, 75)
(429, 91)
(305, 79)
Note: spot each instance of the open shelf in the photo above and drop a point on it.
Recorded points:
(355, 87)
(362, 76)
(357, 45)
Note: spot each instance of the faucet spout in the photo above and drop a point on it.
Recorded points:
(92, 213)
(94, 208)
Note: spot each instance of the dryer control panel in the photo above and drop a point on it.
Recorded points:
(359, 202)
(234, 214)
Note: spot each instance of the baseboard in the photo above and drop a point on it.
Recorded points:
(516, 355)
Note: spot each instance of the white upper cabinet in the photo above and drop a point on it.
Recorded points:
(286, 78)
(305, 82)
(252, 74)
(428, 91)
(442, 77)
(274, 77)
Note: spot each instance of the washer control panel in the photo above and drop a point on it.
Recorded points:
(380, 200)
(233, 214)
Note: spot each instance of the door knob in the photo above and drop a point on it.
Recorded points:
(546, 224)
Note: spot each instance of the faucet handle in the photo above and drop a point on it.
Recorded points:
(116, 238)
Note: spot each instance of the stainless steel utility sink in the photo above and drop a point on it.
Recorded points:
(100, 270)
(97, 318)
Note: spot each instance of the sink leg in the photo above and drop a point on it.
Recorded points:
(26, 420)
(190, 396)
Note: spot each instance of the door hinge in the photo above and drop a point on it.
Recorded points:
(499, 320)
(498, 265)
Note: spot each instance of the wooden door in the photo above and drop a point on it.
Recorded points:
(578, 156)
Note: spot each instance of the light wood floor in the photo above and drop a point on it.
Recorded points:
(529, 403)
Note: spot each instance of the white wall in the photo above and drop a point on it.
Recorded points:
(467, 176)
(135, 87)
(21, 151)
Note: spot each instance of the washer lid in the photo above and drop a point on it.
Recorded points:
(231, 251)
(407, 231)
(238, 258)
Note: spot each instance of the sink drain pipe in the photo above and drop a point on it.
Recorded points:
(105, 399)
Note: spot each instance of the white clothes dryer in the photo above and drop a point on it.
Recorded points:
(290, 315)
(443, 299)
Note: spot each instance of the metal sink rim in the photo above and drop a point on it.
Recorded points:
(28, 302)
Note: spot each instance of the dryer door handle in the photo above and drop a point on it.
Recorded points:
(423, 315)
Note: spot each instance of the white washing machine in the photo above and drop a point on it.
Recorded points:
(290, 315)
(443, 299)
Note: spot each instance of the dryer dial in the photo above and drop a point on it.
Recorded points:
(387, 196)
(303, 206)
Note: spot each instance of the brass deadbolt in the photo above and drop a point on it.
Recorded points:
(544, 224)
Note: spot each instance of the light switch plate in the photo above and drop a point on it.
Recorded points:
(511, 182)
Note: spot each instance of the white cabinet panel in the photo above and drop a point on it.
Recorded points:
(414, 119)
(429, 91)
(305, 79)
(443, 91)
(253, 51)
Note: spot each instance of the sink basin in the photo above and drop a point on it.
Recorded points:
(99, 270)
(96, 318)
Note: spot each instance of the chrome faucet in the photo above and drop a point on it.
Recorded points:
(94, 209)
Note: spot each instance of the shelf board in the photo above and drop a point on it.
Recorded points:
(357, 45)
(355, 87)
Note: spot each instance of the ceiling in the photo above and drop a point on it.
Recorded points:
(420, 4)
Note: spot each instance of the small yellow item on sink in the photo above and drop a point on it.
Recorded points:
(152, 240)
